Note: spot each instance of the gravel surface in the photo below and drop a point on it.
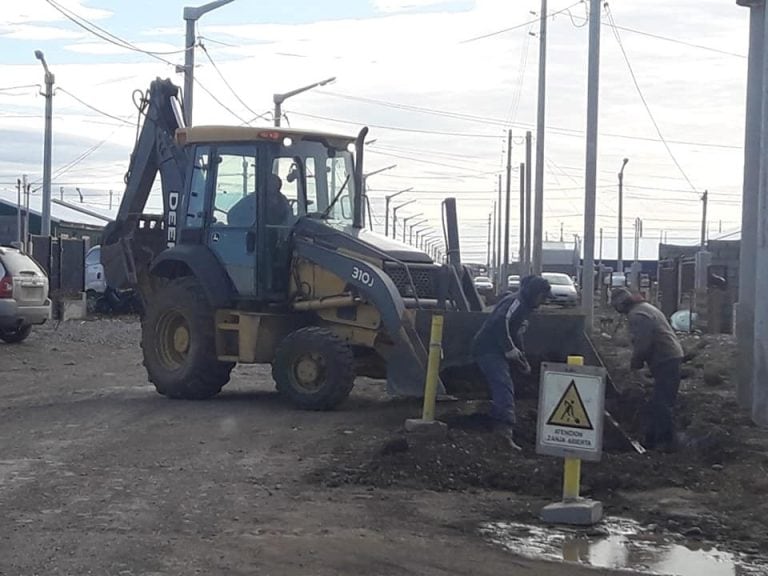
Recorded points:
(100, 475)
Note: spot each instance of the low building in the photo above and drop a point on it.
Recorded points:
(67, 220)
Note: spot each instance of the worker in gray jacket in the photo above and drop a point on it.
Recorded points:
(653, 343)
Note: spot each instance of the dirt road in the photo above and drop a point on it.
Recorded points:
(100, 475)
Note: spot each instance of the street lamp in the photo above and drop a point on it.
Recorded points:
(394, 215)
(45, 226)
(387, 200)
(412, 227)
(278, 99)
(419, 233)
(191, 16)
(620, 263)
(365, 182)
(407, 219)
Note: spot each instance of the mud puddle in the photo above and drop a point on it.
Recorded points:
(622, 544)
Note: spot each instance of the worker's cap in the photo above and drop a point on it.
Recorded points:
(533, 286)
(621, 298)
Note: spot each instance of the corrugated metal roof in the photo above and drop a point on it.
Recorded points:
(60, 213)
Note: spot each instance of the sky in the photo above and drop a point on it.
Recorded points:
(439, 82)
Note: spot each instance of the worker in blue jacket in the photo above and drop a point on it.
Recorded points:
(499, 343)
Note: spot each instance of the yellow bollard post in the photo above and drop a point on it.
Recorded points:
(433, 368)
(572, 466)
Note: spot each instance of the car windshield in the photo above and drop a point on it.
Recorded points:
(558, 279)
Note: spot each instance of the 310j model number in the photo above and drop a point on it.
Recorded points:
(362, 276)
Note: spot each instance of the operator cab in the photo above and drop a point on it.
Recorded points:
(247, 189)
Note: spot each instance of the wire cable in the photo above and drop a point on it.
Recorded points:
(91, 107)
(219, 102)
(229, 86)
(518, 26)
(644, 101)
(106, 35)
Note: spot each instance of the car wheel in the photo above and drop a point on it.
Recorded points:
(16, 335)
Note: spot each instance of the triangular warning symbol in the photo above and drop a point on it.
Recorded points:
(570, 411)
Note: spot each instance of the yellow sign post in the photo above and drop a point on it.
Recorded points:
(427, 423)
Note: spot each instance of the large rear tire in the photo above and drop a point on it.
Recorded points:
(16, 335)
(179, 345)
(314, 369)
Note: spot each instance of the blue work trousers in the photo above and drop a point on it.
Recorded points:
(495, 368)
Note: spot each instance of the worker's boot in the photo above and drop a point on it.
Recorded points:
(506, 432)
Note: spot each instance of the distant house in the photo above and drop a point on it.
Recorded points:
(65, 220)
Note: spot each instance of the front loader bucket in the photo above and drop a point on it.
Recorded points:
(552, 336)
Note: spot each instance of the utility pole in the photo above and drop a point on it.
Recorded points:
(561, 232)
(110, 199)
(492, 264)
(745, 313)
(540, 123)
(191, 16)
(509, 194)
(760, 333)
(18, 212)
(27, 187)
(600, 264)
(620, 263)
(61, 193)
(528, 179)
(704, 201)
(590, 178)
(499, 271)
(488, 258)
(45, 227)
(521, 251)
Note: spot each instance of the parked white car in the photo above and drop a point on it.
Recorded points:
(563, 289)
(95, 281)
(23, 295)
(483, 284)
(102, 298)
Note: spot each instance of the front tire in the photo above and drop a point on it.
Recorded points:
(179, 345)
(16, 335)
(314, 369)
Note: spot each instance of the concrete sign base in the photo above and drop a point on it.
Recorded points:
(581, 512)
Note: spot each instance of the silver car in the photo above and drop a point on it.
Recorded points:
(23, 295)
(563, 289)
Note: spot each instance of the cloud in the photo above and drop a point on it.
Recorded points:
(33, 32)
(405, 5)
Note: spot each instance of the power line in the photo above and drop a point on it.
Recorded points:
(676, 41)
(91, 107)
(219, 102)
(397, 128)
(644, 101)
(22, 87)
(106, 35)
(229, 86)
(518, 26)
(499, 122)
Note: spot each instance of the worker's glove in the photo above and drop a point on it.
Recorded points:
(518, 359)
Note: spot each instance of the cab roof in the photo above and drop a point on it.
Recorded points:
(204, 134)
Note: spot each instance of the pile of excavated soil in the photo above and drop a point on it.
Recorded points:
(713, 487)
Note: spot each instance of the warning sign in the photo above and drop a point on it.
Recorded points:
(571, 400)
(570, 410)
